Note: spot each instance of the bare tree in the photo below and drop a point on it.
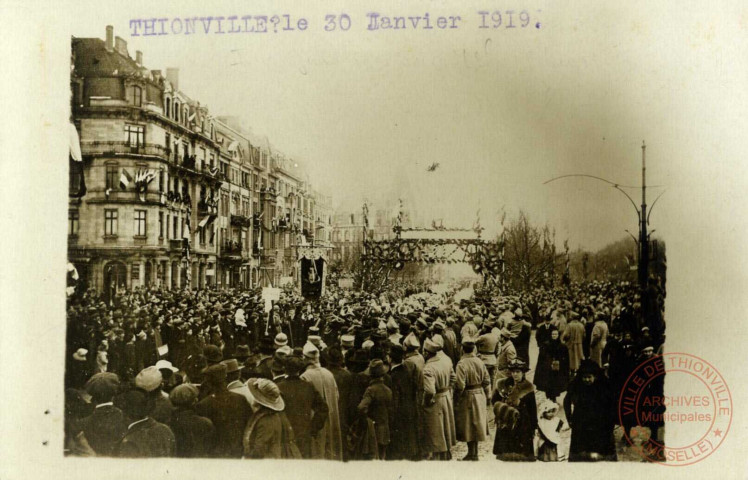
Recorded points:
(529, 254)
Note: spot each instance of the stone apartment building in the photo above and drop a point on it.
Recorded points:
(168, 194)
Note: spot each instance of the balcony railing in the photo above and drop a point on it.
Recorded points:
(122, 148)
(240, 220)
(233, 249)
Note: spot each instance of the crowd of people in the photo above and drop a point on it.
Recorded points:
(404, 375)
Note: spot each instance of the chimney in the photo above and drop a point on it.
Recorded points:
(121, 46)
(172, 75)
(139, 57)
(109, 38)
(156, 74)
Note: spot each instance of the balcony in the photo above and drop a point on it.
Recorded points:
(240, 220)
(123, 148)
(207, 207)
(233, 250)
(175, 245)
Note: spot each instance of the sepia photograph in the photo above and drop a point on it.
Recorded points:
(400, 233)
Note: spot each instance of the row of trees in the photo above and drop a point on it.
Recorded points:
(531, 259)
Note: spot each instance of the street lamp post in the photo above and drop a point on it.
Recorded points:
(643, 215)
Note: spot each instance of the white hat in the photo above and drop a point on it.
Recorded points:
(166, 365)
(80, 354)
(367, 344)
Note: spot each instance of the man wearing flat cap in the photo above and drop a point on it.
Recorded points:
(195, 435)
(106, 426)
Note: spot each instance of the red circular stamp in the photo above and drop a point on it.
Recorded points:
(696, 409)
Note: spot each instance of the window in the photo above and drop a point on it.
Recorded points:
(167, 112)
(160, 181)
(136, 96)
(202, 236)
(135, 272)
(110, 223)
(73, 222)
(75, 179)
(212, 234)
(175, 229)
(135, 135)
(112, 176)
(140, 223)
(167, 225)
(160, 224)
(167, 143)
(176, 111)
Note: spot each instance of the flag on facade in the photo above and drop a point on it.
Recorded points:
(204, 221)
(124, 179)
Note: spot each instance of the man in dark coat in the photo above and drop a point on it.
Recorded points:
(305, 408)
(195, 435)
(228, 411)
(106, 426)
(590, 409)
(145, 436)
(404, 427)
(377, 405)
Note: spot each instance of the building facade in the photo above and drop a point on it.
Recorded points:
(166, 194)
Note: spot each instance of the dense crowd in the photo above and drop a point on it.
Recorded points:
(401, 375)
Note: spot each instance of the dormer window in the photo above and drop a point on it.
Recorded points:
(176, 111)
(136, 96)
(167, 110)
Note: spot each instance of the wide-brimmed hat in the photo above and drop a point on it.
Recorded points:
(242, 352)
(334, 357)
(267, 345)
(267, 394)
(310, 351)
(377, 368)
(80, 354)
(166, 365)
(517, 364)
(468, 340)
(588, 367)
(232, 365)
(212, 354)
(293, 365)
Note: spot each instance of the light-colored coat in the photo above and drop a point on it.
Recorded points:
(437, 418)
(598, 340)
(472, 388)
(573, 338)
(328, 444)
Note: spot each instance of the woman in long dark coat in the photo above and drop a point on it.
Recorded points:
(516, 415)
(590, 409)
(552, 371)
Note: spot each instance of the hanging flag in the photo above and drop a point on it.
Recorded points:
(124, 180)
(75, 146)
(204, 221)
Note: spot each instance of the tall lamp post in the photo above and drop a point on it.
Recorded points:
(643, 216)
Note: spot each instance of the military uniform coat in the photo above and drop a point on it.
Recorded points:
(329, 443)
(437, 417)
(472, 386)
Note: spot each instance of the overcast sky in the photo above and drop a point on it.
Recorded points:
(501, 111)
